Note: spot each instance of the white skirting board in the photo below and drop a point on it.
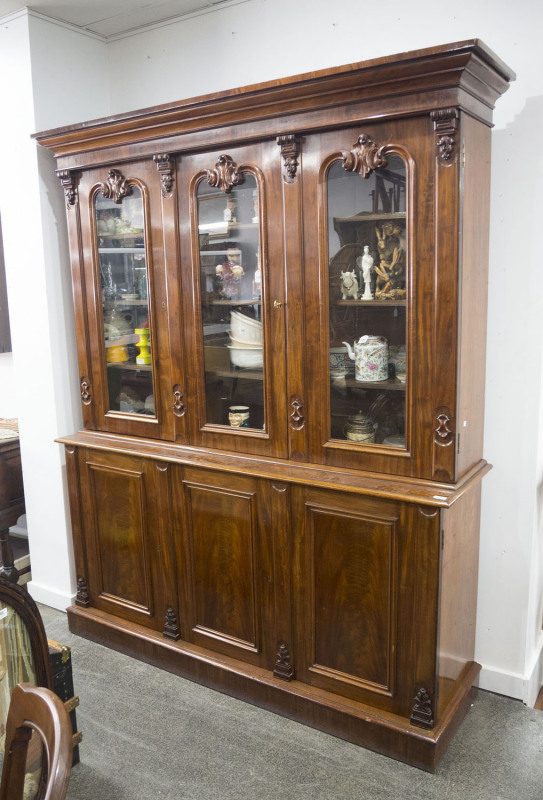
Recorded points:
(50, 597)
(512, 684)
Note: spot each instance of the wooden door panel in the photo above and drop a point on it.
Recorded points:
(353, 597)
(366, 596)
(126, 559)
(123, 575)
(226, 564)
(222, 538)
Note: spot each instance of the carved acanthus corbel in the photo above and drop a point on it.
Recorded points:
(69, 181)
(225, 175)
(290, 150)
(165, 165)
(365, 157)
(446, 128)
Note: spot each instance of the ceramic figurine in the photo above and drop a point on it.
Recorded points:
(366, 263)
(349, 285)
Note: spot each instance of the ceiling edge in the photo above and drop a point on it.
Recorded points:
(30, 12)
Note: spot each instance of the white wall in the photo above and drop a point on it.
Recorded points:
(265, 39)
(44, 63)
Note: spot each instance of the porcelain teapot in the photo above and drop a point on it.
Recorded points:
(370, 356)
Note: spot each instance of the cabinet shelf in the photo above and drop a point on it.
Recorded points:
(246, 374)
(129, 365)
(371, 303)
(379, 216)
(127, 251)
(233, 302)
(393, 385)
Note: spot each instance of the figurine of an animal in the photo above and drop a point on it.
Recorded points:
(349, 285)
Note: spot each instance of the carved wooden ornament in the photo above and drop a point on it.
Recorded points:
(165, 166)
(115, 187)
(178, 404)
(364, 157)
(446, 127)
(69, 181)
(82, 598)
(297, 418)
(290, 150)
(444, 430)
(86, 392)
(225, 176)
(171, 626)
(422, 715)
(283, 667)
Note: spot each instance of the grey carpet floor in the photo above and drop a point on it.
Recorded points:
(150, 735)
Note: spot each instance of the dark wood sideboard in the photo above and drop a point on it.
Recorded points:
(253, 508)
(12, 499)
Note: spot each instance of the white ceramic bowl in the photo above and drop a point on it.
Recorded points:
(245, 329)
(246, 357)
(237, 343)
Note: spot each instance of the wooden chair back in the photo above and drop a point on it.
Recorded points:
(34, 708)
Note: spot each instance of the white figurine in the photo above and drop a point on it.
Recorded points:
(367, 267)
(349, 285)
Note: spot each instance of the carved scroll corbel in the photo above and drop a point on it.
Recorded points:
(446, 128)
(165, 165)
(290, 150)
(225, 176)
(69, 181)
(365, 157)
(115, 187)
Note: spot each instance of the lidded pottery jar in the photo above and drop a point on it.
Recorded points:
(359, 429)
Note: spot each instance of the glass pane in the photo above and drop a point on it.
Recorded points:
(368, 304)
(231, 288)
(125, 294)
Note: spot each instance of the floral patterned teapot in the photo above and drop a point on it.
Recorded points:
(370, 356)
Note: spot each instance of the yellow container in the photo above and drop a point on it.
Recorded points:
(144, 345)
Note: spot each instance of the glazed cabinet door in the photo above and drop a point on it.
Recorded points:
(381, 307)
(366, 588)
(127, 385)
(123, 522)
(232, 259)
(226, 564)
